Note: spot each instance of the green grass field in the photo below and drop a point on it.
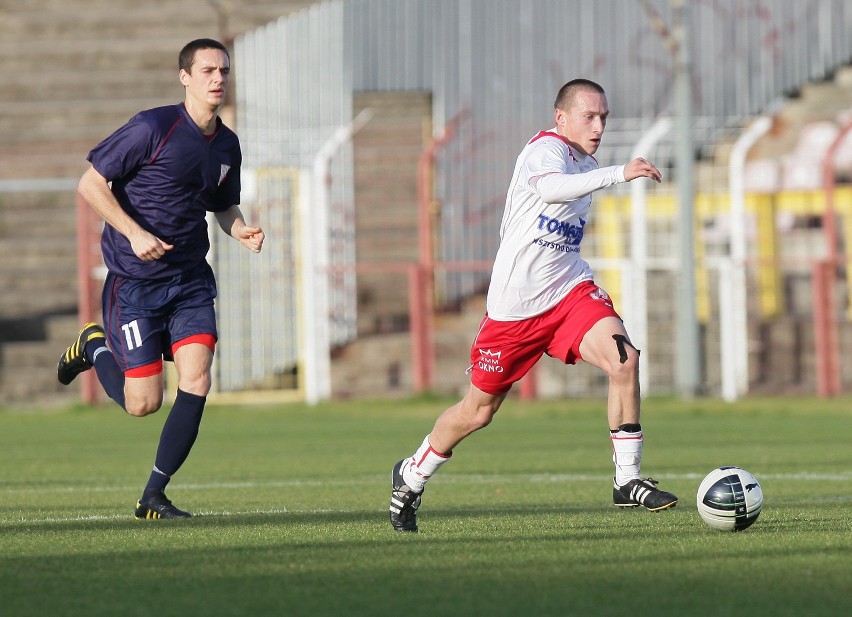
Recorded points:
(291, 514)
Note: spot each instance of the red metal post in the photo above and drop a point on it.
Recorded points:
(529, 385)
(419, 330)
(425, 367)
(825, 309)
(85, 288)
(822, 329)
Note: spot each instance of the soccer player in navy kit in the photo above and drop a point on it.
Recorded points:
(153, 181)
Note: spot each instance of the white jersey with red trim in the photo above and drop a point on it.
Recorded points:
(547, 208)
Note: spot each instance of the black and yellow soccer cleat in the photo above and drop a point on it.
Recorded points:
(642, 492)
(74, 360)
(158, 506)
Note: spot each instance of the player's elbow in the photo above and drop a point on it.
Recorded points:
(90, 182)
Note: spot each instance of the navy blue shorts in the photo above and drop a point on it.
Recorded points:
(145, 321)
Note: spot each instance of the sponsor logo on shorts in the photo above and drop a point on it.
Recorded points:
(489, 361)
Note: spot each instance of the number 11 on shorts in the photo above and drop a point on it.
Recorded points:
(131, 335)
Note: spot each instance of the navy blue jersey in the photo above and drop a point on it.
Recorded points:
(167, 175)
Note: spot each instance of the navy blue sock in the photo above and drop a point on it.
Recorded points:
(110, 376)
(176, 440)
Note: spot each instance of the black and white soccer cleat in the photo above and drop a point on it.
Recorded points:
(642, 492)
(403, 503)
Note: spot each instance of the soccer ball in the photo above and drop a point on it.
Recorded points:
(729, 499)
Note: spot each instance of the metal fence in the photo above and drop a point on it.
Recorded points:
(495, 66)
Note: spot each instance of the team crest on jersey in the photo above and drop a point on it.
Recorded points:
(223, 171)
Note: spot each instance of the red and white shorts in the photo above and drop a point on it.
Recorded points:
(504, 351)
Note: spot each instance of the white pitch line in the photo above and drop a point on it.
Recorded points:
(190, 487)
(841, 476)
(450, 478)
(125, 516)
(261, 512)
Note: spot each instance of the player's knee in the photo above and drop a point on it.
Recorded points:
(628, 372)
(198, 384)
(482, 415)
(479, 421)
(626, 367)
(142, 406)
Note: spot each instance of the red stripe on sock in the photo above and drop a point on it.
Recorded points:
(433, 451)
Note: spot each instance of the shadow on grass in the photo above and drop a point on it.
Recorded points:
(507, 560)
(317, 518)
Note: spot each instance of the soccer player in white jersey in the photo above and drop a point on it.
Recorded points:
(542, 299)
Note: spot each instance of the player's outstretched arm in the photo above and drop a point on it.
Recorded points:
(232, 223)
(641, 168)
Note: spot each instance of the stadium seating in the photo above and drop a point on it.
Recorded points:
(78, 69)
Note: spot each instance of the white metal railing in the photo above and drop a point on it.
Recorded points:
(296, 77)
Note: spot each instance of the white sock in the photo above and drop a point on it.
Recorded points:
(627, 455)
(422, 465)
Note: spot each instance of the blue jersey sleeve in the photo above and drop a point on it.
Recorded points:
(125, 150)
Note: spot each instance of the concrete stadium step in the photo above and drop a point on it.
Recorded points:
(16, 253)
(91, 133)
(385, 155)
(34, 154)
(27, 385)
(92, 84)
(49, 300)
(466, 321)
(91, 52)
(34, 284)
(35, 274)
(41, 116)
(35, 198)
(64, 160)
(82, 68)
(31, 354)
(29, 367)
(388, 357)
(167, 19)
(395, 207)
(128, 20)
(385, 250)
(53, 222)
(375, 366)
(61, 330)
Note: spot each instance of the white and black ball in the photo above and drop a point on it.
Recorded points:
(729, 499)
